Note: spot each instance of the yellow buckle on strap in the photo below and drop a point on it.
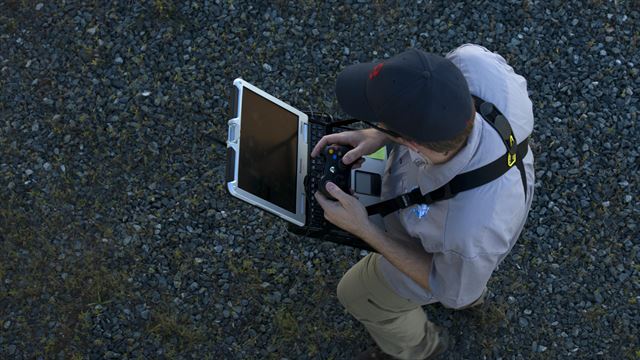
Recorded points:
(511, 158)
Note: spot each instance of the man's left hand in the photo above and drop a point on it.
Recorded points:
(347, 213)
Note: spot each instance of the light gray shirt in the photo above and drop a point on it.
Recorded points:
(470, 234)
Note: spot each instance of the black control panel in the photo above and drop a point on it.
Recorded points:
(335, 170)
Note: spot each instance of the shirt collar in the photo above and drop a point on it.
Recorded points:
(417, 159)
(431, 177)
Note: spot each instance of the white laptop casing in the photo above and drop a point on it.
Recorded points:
(233, 142)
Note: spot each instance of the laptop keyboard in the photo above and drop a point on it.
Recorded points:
(316, 214)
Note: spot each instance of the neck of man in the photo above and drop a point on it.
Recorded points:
(451, 154)
(435, 157)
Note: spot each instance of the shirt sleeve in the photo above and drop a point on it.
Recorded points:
(457, 281)
(490, 77)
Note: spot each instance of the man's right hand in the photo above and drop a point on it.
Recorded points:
(364, 142)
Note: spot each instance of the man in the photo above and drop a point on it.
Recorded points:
(444, 252)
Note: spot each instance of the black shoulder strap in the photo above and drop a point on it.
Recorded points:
(474, 178)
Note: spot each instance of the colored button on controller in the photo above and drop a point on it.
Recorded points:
(331, 152)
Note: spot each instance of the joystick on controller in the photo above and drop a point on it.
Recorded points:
(335, 170)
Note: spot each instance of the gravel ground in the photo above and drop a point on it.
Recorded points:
(118, 240)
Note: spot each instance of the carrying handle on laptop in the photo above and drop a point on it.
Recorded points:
(345, 122)
(232, 135)
(330, 124)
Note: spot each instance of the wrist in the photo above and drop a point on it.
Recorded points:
(368, 231)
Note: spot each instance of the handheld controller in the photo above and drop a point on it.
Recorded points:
(335, 170)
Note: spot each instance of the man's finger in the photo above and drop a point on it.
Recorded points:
(337, 193)
(326, 140)
(321, 199)
(352, 155)
(357, 164)
(321, 144)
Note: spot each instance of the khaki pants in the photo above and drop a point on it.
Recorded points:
(399, 326)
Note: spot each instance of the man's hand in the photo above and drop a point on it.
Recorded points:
(350, 215)
(364, 142)
(347, 213)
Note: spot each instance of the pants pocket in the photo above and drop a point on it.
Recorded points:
(402, 306)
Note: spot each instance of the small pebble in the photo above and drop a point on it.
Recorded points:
(145, 314)
(523, 322)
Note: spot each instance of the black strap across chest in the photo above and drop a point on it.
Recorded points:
(462, 182)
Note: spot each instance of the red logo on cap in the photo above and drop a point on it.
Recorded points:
(375, 71)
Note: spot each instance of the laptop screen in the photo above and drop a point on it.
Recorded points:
(268, 151)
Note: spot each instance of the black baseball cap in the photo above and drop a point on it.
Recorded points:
(419, 95)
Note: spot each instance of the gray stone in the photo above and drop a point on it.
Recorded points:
(145, 314)
(523, 322)
(598, 298)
